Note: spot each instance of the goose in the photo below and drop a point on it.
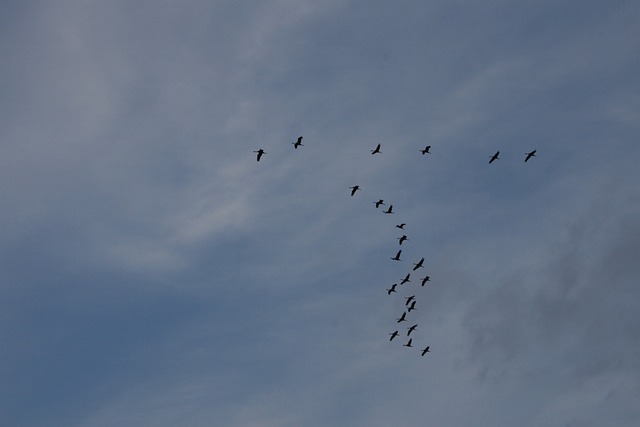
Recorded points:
(494, 157)
(260, 153)
(530, 155)
(403, 317)
(406, 279)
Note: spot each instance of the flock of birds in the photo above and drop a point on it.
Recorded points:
(410, 300)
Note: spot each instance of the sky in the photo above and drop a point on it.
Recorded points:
(153, 273)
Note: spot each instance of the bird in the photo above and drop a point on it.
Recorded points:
(409, 299)
(397, 257)
(393, 335)
(376, 150)
(260, 153)
(411, 329)
(418, 264)
(425, 350)
(425, 150)
(392, 289)
(412, 306)
(389, 210)
(408, 344)
(494, 157)
(406, 279)
(354, 189)
(298, 143)
(530, 155)
(378, 203)
(403, 317)
(401, 226)
(403, 238)
(425, 280)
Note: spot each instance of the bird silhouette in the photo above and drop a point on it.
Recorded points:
(401, 226)
(402, 238)
(494, 157)
(406, 279)
(411, 329)
(425, 280)
(425, 350)
(408, 344)
(530, 155)
(403, 317)
(412, 306)
(393, 335)
(298, 143)
(378, 203)
(376, 150)
(260, 153)
(409, 299)
(426, 150)
(354, 189)
(418, 264)
(397, 257)
(392, 289)
(389, 210)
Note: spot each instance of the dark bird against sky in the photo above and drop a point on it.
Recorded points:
(406, 279)
(354, 189)
(494, 157)
(425, 280)
(403, 317)
(425, 350)
(393, 335)
(401, 226)
(298, 143)
(392, 289)
(408, 344)
(402, 238)
(530, 155)
(376, 150)
(260, 153)
(389, 210)
(418, 264)
(378, 203)
(397, 257)
(426, 150)
(411, 329)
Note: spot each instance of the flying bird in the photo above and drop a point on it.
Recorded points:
(494, 157)
(425, 150)
(389, 210)
(392, 289)
(397, 257)
(530, 155)
(403, 238)
(409, 299)
(403, 317)
(406, 279)
(408, 344)
(393, 335)
(354, 189)
(298, 143)
(425, 350)
(378, 203)
(260, 153)
(377, 150)
(425, 280)
(401, 226)
(412, 306)
(418, 264)
(411, 329)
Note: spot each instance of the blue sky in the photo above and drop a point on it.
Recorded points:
(154, 274)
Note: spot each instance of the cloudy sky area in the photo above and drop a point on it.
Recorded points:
(154, 274)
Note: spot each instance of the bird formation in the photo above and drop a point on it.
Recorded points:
(410, 301)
